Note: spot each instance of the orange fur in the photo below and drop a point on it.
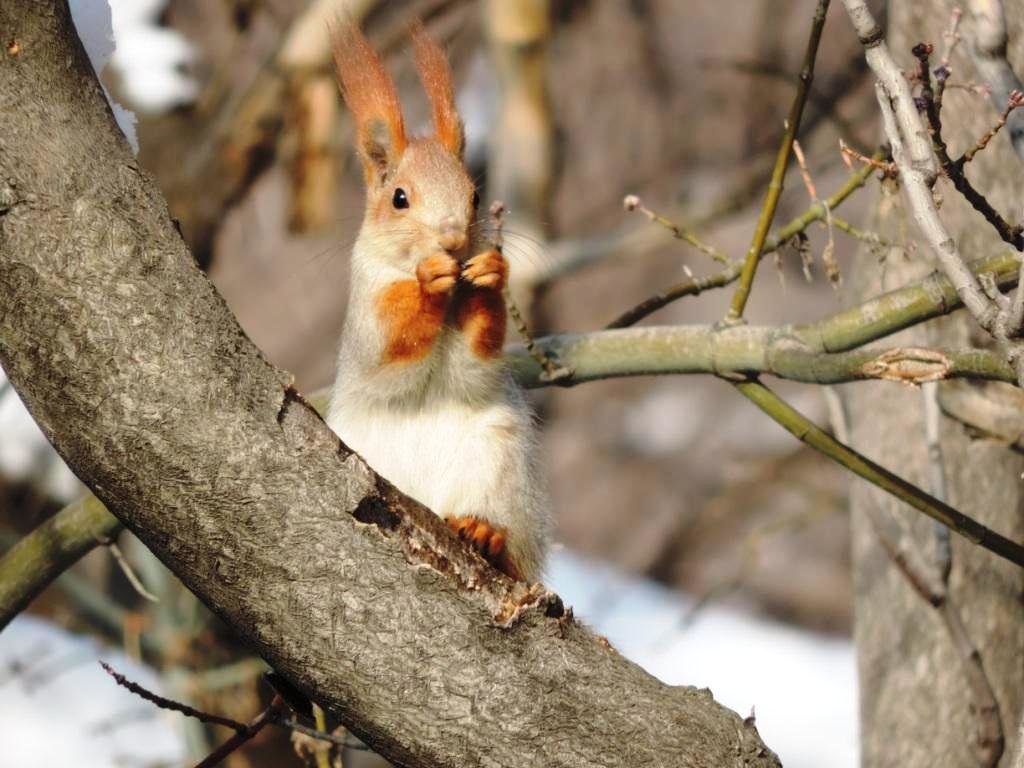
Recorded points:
(436, 75)
(488, 540)
(368, 89)
(412, 318)
(481, 312)
(481, 317)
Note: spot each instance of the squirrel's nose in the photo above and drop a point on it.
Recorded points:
(453, 237)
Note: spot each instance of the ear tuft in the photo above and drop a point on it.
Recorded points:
(432, 65)
(370, 94)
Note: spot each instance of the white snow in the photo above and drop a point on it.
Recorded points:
(148, 58)
(26, 454)
(803, 686)
(93, 21)
(60, 708)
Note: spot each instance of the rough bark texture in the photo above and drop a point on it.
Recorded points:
(139, 374)
(917, 705)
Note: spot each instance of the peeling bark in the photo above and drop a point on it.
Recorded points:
(139, 374)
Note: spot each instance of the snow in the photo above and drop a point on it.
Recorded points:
(93, 21)
(148, 58)
(60, 708)
(26, 454)
(803, 686)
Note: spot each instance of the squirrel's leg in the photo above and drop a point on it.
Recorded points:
(481, 312)
(413, 311)
(488, 540)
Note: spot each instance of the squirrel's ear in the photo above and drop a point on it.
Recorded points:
(437, 82)
(371, 96)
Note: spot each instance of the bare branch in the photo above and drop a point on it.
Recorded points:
(55, 545)
(771, 201)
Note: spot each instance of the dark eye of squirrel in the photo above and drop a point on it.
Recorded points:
(400, 200)
(476, 200)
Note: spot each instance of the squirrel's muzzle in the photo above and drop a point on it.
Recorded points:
(453, 237)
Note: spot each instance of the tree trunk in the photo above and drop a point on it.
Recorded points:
(923, 703)
(140, 376)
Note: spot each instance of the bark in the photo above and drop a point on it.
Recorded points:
(921, 703)
(138, 373)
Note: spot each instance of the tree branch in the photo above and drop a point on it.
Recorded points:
(764, 221)
(807, 432)
(140, 376)
(54, 546)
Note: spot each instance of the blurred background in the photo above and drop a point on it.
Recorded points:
(705, 542)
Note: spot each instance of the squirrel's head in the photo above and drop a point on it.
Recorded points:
(418, 193)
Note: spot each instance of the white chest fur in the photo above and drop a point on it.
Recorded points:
(456, 459)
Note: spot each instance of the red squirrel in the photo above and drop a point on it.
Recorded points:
(421, 391)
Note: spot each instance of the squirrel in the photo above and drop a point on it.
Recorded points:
(421, 391)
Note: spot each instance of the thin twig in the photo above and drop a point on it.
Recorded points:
(553, 371)
(174, 706)
(1013, 101)
(731, 273)
(828, 252)
(320, 719)
(942, 73)
(270, 716)
(849, 154)
(951, 36)
(771, 201)
(129, 573)
(276, 714)
(634, 203)
(954, 169)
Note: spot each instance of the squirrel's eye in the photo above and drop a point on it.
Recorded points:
(476, 200)
(400, 200)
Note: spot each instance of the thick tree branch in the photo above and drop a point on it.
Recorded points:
(140, 376)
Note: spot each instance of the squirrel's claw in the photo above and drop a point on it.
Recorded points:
(437, 273)
(486, 270)
(487, 539)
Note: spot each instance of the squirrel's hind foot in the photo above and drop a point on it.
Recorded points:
(488, 540)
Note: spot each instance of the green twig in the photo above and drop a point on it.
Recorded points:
(679, 232)
(44, 554)
(748, 350)
(806, 431)
(697, 285)
(771, 201)
(320, 720)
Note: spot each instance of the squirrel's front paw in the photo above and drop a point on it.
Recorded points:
(486, 270)
(488, 540)
(437, 273)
